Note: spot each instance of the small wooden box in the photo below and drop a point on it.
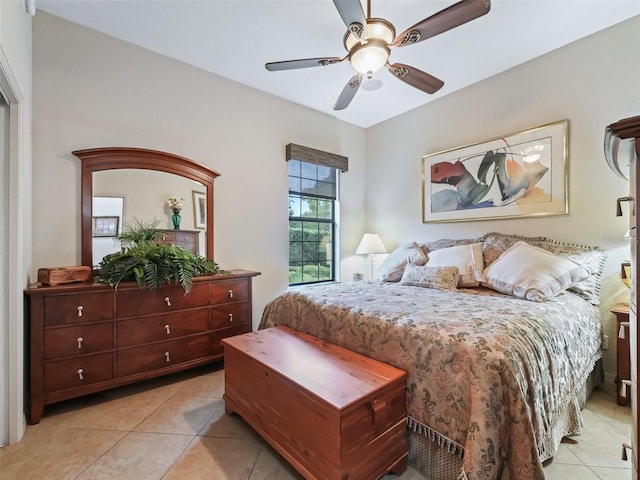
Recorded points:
(331, 413)
(61, 275)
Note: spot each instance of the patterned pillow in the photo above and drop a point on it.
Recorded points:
(592, 259)
(448, 242)
(393, 266)
(442, 278)
(532, 273)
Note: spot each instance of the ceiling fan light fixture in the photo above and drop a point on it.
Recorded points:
(372, 53)
(369, 58)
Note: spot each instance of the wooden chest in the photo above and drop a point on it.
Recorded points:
(61, 275)
(332, 413)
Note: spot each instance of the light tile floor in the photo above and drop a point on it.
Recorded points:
(174, 428)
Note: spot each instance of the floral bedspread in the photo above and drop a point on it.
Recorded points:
(487, 372)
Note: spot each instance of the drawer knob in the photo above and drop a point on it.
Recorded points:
(231, 317)
(80, 340)
(623, 388)
(79, 310)
(81, 374)
(619, 207)
(167, 301)
(230, 293)
(621, 330)
(166, 355)
(166, 327)
(624, 451)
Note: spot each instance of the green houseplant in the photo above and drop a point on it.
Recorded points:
(151, 264)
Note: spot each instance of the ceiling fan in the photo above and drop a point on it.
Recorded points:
(369, 41)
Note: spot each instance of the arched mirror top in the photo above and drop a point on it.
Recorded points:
(114, 158)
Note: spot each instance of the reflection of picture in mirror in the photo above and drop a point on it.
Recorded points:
(199, 210)
(105, 226)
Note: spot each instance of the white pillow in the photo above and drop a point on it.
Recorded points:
(532, 273)
(468, 259)
(393, 266)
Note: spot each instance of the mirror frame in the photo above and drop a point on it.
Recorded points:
(114, 158)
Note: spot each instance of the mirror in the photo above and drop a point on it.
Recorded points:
(153, 177)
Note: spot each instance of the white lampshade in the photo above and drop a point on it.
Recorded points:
(370, 244)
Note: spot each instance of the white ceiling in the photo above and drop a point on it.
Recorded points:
(234, 39)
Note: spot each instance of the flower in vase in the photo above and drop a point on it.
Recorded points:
(175, 204)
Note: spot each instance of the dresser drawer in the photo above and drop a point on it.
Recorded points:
(187, 239)
(77, 372)
(77, 340)
(219, 335)
(167, 299)
(85, 307)
(229, 291)
(229, 315)
(137, 331)
(159, 355)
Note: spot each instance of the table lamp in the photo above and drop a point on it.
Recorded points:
(370, 245)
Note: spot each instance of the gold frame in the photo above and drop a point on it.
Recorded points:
(548, 195)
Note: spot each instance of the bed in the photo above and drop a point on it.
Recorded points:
(496, 377)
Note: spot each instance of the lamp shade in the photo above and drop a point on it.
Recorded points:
(369, 244)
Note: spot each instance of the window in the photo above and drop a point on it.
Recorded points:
(312, 227)
(313, 200)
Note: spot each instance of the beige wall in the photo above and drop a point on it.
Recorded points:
(15, 229)
(92, 90)
(592, 82)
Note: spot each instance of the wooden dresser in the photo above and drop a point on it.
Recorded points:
(187, 239)
(628, 130)
(85, 338)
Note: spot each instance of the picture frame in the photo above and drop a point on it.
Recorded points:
(106, 226)
(199, 210)
(521, 174)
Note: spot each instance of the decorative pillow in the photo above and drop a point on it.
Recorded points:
(468, 259)
(532, 273)
(592, 259)
(447, 242)
(442, 278)
(393, 266)
(495, 244)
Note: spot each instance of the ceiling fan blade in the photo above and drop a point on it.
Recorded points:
(302, 63)
(416, 78)
(451, 17)
(352, 16)
(348, 92)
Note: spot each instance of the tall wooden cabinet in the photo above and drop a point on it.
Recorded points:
(88, 337)
(622, 150)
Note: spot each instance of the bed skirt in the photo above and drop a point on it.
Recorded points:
(438, 459)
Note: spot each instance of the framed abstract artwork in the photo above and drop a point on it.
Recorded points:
(517, 175)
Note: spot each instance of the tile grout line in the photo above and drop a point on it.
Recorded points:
(186, 447)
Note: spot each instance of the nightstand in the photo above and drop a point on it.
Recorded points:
(621, 312)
